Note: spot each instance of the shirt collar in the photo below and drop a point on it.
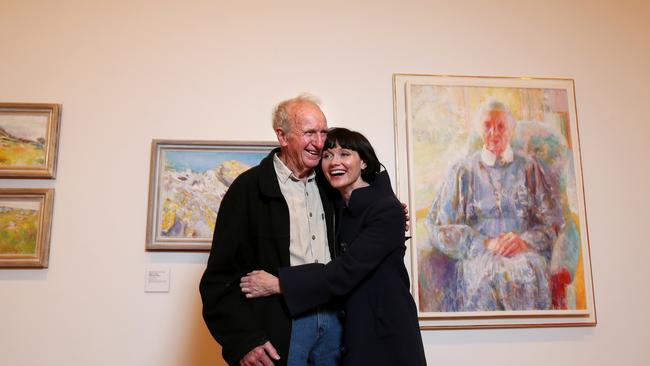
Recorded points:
(284, 173)
(489, 158)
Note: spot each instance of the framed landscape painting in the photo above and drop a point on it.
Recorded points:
(187, 182)
(25, 224)
(29, 135)
(491, 169)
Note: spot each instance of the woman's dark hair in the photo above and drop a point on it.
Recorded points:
(355, 141)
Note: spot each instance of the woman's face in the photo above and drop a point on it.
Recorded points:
(496, 132)
(342, 168)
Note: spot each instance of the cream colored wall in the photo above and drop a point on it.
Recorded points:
(130, 71)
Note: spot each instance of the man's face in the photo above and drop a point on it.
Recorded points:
(495, 132)
(303, 144)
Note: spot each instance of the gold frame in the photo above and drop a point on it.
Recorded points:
(48, 170)
(153, 242)
(405, 175)
(40, 259)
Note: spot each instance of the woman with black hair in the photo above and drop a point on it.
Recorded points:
(381, 326)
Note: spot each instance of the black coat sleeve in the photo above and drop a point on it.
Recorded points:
(307, 286)
(226, 312)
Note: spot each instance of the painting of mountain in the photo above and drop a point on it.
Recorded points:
(187, 187)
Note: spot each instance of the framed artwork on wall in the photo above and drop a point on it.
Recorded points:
(187, 182)
(491, 169)
(29, 136)
(25, 225)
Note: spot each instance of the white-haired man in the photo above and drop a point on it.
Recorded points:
(274, 215)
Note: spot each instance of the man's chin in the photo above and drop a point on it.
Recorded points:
(311, 161)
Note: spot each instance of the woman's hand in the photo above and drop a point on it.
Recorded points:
(507, 244)
(259, 284)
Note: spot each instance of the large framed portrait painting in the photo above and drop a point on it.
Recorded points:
(491, 169)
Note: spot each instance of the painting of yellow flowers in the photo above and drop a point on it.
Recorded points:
(25, 222)
(187, 182)
(29, 136)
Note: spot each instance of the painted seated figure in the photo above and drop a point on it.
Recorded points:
(498, 218)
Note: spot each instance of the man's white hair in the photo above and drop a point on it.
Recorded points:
(282, 116)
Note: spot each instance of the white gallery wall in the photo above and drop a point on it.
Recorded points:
(127, 72)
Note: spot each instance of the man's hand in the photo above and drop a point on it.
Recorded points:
(507, 245)
(259, 284)
(260, 355)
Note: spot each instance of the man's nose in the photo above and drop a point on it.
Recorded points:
(320, 140)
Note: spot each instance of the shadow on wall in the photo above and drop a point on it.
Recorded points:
(200, 348)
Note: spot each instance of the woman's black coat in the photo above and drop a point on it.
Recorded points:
(381, 325)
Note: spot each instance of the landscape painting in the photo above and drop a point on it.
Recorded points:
(491, 168)
(188, 180)
(25, 217)
(28, 140)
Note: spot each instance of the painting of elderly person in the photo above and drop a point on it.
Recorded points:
(497, 217)
(492, 170)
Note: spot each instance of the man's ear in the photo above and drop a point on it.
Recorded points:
(282, 137)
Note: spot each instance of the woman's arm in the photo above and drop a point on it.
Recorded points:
(307, 286)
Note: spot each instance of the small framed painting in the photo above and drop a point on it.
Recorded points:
(29, 135)
(491, 168)
(25, 225)
(187, 182)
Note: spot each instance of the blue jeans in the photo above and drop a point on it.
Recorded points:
(316, 339)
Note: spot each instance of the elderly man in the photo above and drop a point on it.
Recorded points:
(274, 215)
(497, 218)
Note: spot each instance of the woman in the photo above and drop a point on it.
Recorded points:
(381, 326)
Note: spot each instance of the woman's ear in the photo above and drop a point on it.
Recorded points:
(363, 165)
